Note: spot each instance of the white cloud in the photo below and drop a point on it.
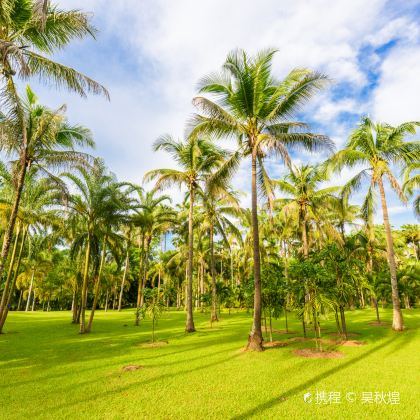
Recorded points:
(171, 44)
(396, 98)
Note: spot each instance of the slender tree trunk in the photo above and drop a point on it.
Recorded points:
(397, 321)
(145, 268)
(189, 327)
(12, 287)
(123, 282)
(343, 322)
(7, 287)
(140, 284)
(84, 289)
(97, 288)
(33, 302)
(255, 338)
(213, 276)
(20, 300)
(13, 215)
(30, 291)
(106, 300)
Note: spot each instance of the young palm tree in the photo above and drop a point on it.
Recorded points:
(43, 139)
(377, 147)
(197, 158)
(252, 106)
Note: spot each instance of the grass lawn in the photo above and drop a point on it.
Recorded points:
(47, 370)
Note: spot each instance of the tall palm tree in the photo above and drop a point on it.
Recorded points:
(43, 139)
(99, 206)
(152, 217)
(35, 211)
(377, 147)
(412, 182)
(218, 204)
(252, 106)
(196, 157)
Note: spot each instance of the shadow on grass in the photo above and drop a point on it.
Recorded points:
(305, 385)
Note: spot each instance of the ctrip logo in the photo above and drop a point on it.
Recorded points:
(307, 397)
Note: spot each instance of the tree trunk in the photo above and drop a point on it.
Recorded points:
(189, 327)
(106, 300)
(213, 276)
(97, 288)
(84, 289)
(13, 215)
(7, 287)
(20, 300)
(12, 287)
(397, 321)
(30, 291)
(255, 338)
(123, 282)
(343, 322)
(140, 283)
(33, 302)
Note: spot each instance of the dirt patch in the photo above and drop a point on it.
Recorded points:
(352, 343)
(130, 368)
(379, 324)
(267, 330)
(298, 339)
(153, 344)
(337, 334)
(277, 343)
(317, 354)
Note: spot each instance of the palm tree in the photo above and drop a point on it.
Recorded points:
(377, 147)
(218, 204)
(38, 195)
(197, 158)
(99, 206)
(152, 218)
(307, 202)
(411, 182)
(253, 107)
(45, 141)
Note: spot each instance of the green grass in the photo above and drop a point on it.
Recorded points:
(48, 370)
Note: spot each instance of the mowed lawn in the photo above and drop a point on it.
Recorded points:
(48, 370)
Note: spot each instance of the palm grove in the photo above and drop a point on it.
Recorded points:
(74, 237)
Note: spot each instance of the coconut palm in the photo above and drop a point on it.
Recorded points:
(99, 207)
(196, 157)
(218, 204)
(152, 217)
(252, 106)
(377, 147)
(307, 202)
(42, 139)
(32, 30)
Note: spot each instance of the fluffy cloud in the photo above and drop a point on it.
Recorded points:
(150, 54)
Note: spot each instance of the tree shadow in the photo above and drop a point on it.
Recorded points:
(305, 385)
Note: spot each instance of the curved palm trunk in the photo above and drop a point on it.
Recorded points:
(255, 338)
(97, 288)
(12, 287)
(397, 320)
(189, 327)
(84, 289)
(213, 277)
(123, 282)
(7, 284)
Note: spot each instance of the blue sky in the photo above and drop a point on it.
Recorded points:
(151, 53)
